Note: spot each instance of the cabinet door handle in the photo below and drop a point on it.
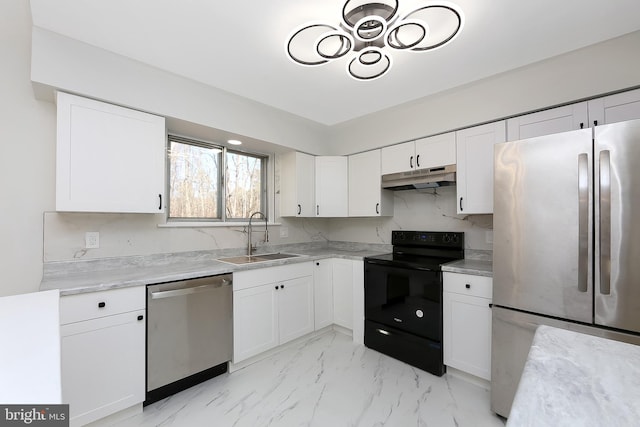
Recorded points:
(281, 286)
(377, 208)
(160, 206)
(277, 287)
(461, 204)
(102, 304)
(140, 317)
(299, 209)
(418, 161)
(411, 162)
(468, 286)
(317, 263)
(317, 209)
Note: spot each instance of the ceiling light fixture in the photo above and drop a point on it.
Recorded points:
(234, 142)
(369, 30)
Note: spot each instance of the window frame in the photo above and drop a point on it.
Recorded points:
(264, 190)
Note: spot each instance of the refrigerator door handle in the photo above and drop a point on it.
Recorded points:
(583, 222)
(605, 222)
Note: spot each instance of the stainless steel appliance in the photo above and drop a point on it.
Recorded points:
(566, 243)
(189, 333)
(442, 176)
(403, 297)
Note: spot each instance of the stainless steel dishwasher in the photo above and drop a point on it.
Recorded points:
(189, 333)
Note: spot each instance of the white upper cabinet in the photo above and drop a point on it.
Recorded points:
(474, 181)
(332, 197)
(615, 108)
(297, 185)
(109, 158)
(435, 151)
(398, 158)
(366, 197)
(555, 120)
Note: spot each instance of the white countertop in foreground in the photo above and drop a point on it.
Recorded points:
(573, 379)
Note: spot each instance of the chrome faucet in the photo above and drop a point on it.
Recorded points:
(250, 231)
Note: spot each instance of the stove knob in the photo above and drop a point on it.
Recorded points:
(446, 238)
(419, 313)
(456, 239)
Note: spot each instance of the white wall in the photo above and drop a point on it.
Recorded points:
(598, 69)
(27, 171)
(72, 66)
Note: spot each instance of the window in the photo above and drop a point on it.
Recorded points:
(208, 182)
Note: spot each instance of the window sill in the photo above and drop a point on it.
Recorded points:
(190, 224)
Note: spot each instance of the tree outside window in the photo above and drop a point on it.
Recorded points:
(198, 190)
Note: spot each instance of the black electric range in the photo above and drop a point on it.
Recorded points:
(403, 297)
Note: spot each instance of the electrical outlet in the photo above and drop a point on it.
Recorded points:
(284, 232)
(91, 240)
(489, 237)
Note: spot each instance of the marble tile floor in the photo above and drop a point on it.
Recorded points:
(325, 381)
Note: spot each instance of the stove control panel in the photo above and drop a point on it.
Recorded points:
(427, 238)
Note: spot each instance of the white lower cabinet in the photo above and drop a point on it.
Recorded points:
(467, 323)
(323, 293)
(271, 306)
(102, 352)
(343, 292)
(339, 295)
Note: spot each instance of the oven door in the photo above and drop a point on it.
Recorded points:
(406, 298)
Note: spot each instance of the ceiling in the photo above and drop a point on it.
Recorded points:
(239, 46)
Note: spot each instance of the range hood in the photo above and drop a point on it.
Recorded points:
(423, 178)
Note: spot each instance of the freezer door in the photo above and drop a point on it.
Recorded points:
(617, 214)
(543, 225)
(512, 335)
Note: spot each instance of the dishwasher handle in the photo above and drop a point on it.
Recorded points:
(191, 290)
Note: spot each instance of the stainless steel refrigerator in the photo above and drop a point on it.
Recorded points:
(566, 243)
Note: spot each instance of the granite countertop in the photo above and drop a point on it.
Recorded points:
(573, 379)
(74, 277)
(477, 267)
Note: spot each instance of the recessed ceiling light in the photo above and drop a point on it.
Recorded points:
(234, 142)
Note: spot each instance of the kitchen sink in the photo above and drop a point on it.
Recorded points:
(249, 259)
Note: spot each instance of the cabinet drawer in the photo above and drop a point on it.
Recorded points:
(260, 276)
(92, 305)
(468, 284)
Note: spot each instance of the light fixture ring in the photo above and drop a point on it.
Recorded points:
(440, 38)
(323, 42)
(363, 69)
(305, 37)
(370, 28)
(355, 10)
(393, 37)
(369, 57)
